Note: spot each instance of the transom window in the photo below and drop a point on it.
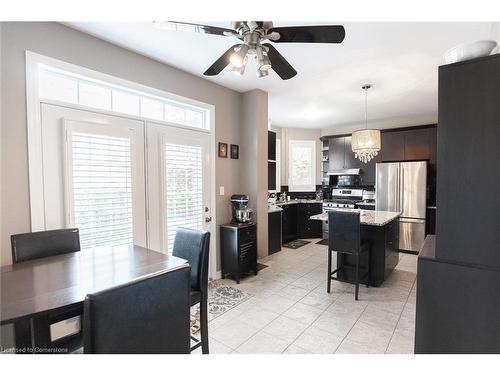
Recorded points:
(59, 85)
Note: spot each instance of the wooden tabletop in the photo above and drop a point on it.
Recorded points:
(32, 287)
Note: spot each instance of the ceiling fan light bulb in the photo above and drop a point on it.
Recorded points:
(237, 59)
(262, 73)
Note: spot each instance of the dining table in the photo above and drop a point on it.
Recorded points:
(32, 290)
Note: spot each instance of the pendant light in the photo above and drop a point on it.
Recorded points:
(366, 142)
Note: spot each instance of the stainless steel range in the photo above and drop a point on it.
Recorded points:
(341, 198)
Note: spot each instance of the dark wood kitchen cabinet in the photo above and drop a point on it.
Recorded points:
(289, 222)
(393, 146)
(350, 161)
(336, 153)
(271, 161)
(274, 230)
(307, 228)
(417, 144)
(238, 250)
(271, 145)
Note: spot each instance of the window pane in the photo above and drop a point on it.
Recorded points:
(102, 189)
(174, 114)
(151, 108)
(194, 118)
(57, 87)
(125, 103)
(302, 165)
(184, 189)
(94, 95)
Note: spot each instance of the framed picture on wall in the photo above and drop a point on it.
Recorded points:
(235, 152)
(222, 150)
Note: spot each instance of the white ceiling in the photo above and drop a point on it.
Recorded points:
(400, 60)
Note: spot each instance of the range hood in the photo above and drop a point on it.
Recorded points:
(344, 172)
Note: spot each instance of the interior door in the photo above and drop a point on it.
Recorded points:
(94, 176)
(179, 170)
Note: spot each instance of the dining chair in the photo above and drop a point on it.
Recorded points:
(194, 246)
(36, 245)
(149, 315)
(344, 236)
(29, 246)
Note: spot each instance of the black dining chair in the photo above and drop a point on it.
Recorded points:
(345, 237)
(194, 245)
(35, 245)
(149, 315)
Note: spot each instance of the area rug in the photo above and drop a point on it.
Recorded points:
(322, 242)
(295, 244)
(221, 298)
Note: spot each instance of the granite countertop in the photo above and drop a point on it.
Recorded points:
(295, 201)
(273, 208)
(367, 217)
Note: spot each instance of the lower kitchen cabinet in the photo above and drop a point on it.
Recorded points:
(289, 222)
(384, 253)
(274, 232)
(238, 250)
(307, 228)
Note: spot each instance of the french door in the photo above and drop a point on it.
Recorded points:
(178, 182)
(122, 180)
(94, 176)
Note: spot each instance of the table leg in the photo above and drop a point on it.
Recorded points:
(22, 336)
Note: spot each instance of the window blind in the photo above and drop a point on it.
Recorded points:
(102, 189)
(184, 189)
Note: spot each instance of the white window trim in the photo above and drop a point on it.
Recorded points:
(302, 188)
(34, 125)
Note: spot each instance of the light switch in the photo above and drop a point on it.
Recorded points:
(221, 190)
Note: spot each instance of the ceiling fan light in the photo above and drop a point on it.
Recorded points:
(239, 70)
(237, 59)
(263, 62)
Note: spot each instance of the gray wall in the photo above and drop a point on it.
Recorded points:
(60, 42)
(254, 150)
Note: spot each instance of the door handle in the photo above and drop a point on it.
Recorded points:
(208, 219)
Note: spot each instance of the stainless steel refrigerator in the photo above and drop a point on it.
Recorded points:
(401, 187)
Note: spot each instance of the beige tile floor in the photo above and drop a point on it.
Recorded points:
(290, 311)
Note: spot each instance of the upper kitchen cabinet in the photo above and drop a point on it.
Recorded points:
(393, 146)
(350, 161)
(271, 145)
(417, 144)
(336, 153)
(409, 145)
(271, 161)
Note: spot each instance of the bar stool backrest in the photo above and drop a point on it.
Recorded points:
(344, 231)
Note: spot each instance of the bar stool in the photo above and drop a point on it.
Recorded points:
(345, 237)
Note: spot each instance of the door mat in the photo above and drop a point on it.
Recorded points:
(295, 244)
(261, 266)
(322, 242)
(221, 298)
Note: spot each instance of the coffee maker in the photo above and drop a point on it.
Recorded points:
(241, 212)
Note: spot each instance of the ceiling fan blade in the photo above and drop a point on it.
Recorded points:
(309, 34)
(219, 64)
(194, 27)
(279, 64)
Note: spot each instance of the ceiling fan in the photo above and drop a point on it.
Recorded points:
(253, 34)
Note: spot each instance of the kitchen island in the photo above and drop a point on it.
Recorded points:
(381, 229)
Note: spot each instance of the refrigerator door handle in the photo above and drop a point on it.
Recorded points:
(402, 189)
